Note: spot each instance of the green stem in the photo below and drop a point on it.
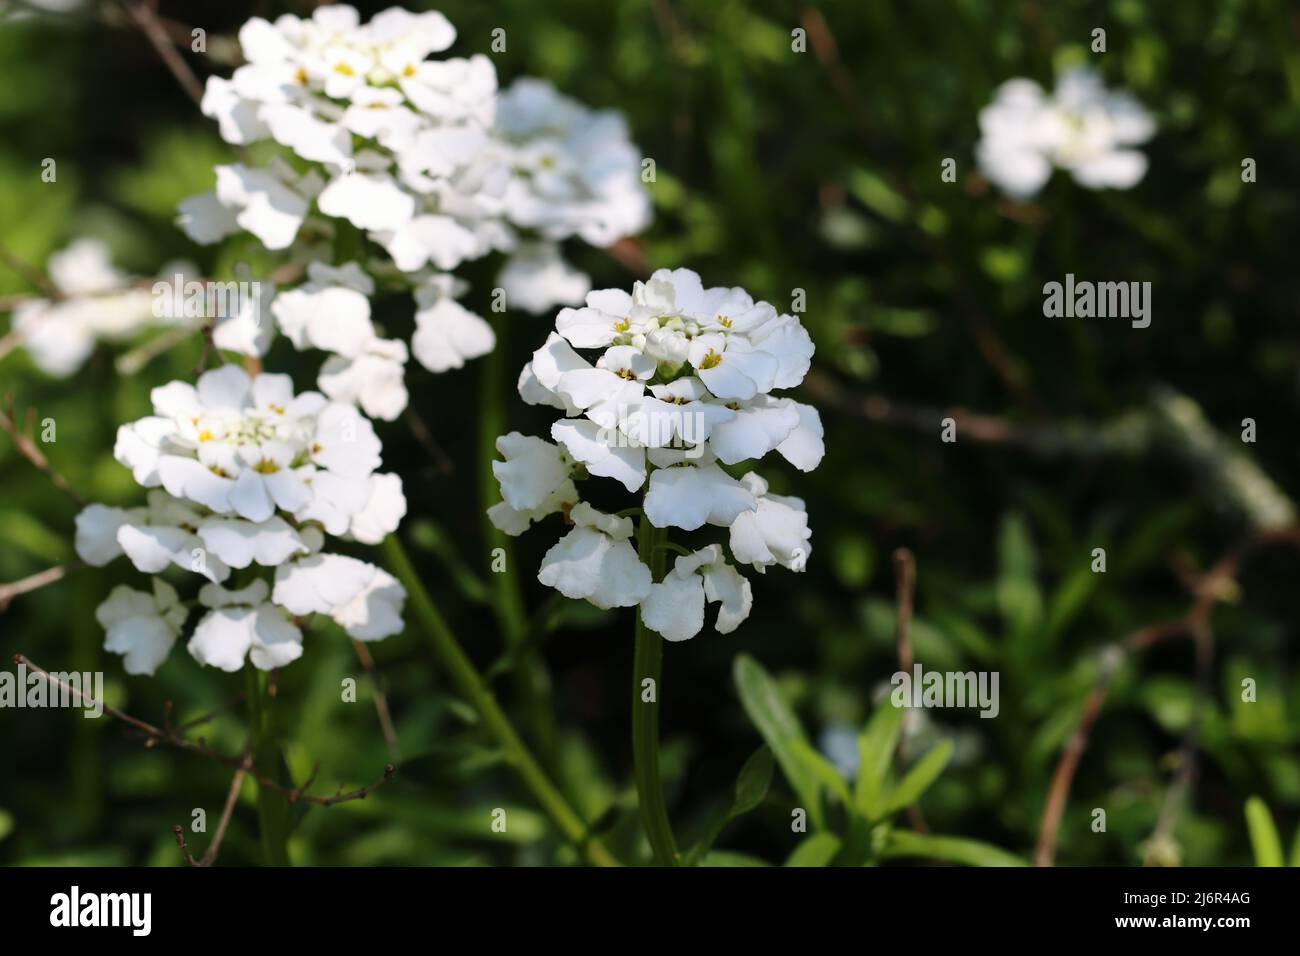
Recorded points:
(472, 686)
(648, 664)
(272, 808)
(531, 680)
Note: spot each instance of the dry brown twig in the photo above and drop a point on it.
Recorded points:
(905, 587)
(27, 448)
(1208, 589)
(157, 735)
(152, 27)
(381, 701)
(232, 796)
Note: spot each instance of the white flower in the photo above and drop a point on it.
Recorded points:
(446, 333)
(363, 599)
(675, 607)
(240, 543)
(385, 507)
(247, 446)
(243, 625)
(374, 379)
(688, 496)
(1081, 127)
(325, 313)
(574, 170)
(596, 562)
(97, 527)
(141, 627)
(97, 303)
(531, 471)
(270, 202)
(775, 532)
(536, 278)
(682, 386)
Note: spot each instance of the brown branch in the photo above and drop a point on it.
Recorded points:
(1208, 589)
(147, 20)
(29, 272)
(210, 854)
(27, 448)
(425, 437)
(905, 578)
(157, 735)
(381, 701)
(14, 588)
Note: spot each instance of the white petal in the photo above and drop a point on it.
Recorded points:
(675, 607)
(688, 497)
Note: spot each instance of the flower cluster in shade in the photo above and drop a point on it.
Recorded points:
(247, 484)
(680, 391)
(1080, 127)
(429, 162)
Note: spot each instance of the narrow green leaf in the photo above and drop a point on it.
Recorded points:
(918, 779)
(818, 850)
(876, 749)
(751, 786)
(806, 770)
(905, 843)
(1264, 839)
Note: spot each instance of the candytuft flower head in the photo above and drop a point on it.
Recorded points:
(680, 390)
(247, 481)
(410, 166)
(1080, 127)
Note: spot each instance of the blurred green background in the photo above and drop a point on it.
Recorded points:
(776, 170)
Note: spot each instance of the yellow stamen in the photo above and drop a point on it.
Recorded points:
(206, 435)
(710, 360)
(345, 69)
(266, 467)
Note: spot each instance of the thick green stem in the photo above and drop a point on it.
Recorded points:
(475, 690)
(648, 665)
(272, 808)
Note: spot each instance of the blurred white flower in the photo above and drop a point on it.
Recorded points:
(1080, 127)
(574, 171)
(97, 302)
(536, 278)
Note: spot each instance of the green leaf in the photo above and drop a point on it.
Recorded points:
(918, 779)
(6, 823)
(905, 843)
(1019, 598)
(727, 858)
(1264, 839)
(818, 850)
(806, 769)
(876, 748)
(751, 786)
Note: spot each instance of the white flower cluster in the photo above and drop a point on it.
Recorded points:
(98, 302)
(426, 160)
(573, 172)
(1081, 127)
(682, 386)
(246, 477)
